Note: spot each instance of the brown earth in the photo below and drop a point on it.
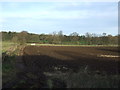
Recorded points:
(35, 61)
(49, 58)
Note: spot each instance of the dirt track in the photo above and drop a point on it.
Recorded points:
(44, 58)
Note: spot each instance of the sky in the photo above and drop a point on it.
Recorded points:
(47, 17)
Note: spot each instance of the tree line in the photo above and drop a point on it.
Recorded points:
(59, 38)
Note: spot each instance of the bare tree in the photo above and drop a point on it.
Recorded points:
(15, 39)
(61, 36)
(74, 36)
(88, 38)
(23, 37)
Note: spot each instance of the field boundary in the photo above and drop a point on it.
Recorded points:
(34, 44)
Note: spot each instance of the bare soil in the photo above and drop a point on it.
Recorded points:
(46, 58)
(34, 61)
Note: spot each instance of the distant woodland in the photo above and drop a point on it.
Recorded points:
(59, 38)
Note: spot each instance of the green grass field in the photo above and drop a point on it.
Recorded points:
(7, 45)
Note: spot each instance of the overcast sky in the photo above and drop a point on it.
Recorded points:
(46, 17)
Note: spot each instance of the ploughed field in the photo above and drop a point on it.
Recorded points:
(64, 58)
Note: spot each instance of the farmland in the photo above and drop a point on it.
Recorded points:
(72, 57)
(59, 45)
(55, 66)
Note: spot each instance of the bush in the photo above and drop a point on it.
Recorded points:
(83, 79)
